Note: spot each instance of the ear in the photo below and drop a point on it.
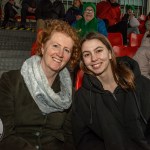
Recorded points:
(42, 49)
(110, 54)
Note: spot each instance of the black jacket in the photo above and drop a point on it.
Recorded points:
(29, 3)
(25, 126)
(48, 10)
(71, 14)
(112, 121)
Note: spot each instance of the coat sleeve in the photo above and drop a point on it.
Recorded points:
(145, 97)
(134, 22)
(102, 27)
(145, 103)
(69, 142)
(7, 113)
(84, 138)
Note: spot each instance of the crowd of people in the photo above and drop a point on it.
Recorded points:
(108, 11)
(39, 106)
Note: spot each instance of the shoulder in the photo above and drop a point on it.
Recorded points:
(130, 63)
(100, 21)
(103, 3)
(12, 73)
(143, 86)
(11, 76)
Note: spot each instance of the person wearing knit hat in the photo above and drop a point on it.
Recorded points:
(132, 22)
(130, 7)
(89, 22)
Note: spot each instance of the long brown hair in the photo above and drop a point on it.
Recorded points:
(52, 26)
(122, 74)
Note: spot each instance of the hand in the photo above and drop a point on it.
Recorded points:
(31, 10)
(78, 17)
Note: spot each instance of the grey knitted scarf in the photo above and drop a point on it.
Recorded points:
(47, 100)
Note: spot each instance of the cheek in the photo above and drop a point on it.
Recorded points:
(67, 57)
(86, 61)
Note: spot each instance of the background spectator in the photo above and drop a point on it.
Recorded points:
(89, 22)
(142, 55)
(28, 9)
(132, 22)
(49, 9)
(74, 13)
(110, 11)
(10, 11)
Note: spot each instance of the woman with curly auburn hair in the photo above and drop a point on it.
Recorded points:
(110, 109)
(35, 100)
(59, 26)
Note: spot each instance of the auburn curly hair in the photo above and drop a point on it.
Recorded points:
(52, 26)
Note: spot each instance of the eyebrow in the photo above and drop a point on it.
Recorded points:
(89, 9)
(94, 49)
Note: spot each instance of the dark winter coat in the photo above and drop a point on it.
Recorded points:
(112, 121)
(25, 127)
(48, 10)
(29, 3)
(71, 14)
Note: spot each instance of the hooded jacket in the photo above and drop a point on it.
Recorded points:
(106, 10)
(112, 121)
(94, 25)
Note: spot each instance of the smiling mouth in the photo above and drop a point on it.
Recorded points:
(57, 60)
(95, 66)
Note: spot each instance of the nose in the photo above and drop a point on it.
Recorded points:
(60, 53)
(94, 57)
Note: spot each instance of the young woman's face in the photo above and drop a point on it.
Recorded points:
(88, 14)
(96, 56)
(56, 52)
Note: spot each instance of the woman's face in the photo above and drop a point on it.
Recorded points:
(56, 52)
(88, 14)
(96, 57)
(77, 3)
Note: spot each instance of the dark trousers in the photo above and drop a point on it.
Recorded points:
(9, 12)
(24, 14)
(120, 27)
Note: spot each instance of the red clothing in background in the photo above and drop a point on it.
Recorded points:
(106, 11)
